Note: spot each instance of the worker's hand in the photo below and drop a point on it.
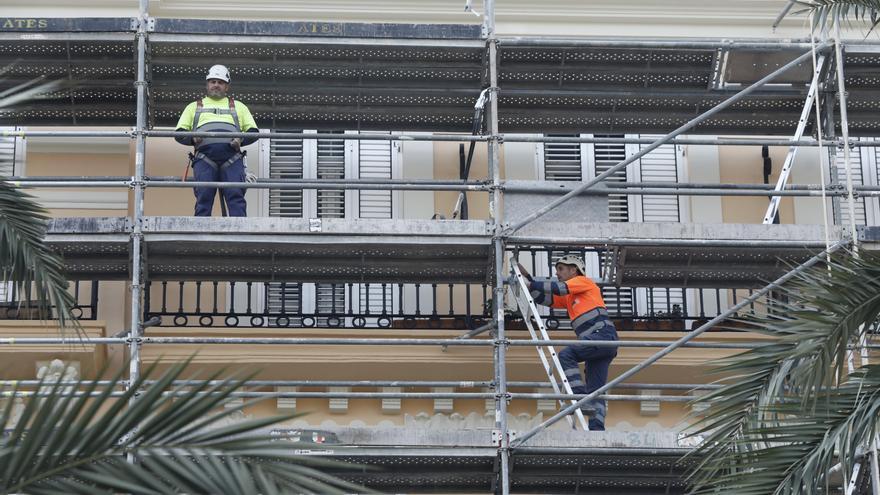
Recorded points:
(197, 141)
(235, 144)
(525, 272)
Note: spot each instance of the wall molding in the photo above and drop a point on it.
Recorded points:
(80, 200)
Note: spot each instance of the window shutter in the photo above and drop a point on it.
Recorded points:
(331, 165)
(8, 148)
(660, 165)
(858, 179)
(606, 156)
(286, 162)
(562, 161)
(8, 145)
(374, 163)
(618, 300)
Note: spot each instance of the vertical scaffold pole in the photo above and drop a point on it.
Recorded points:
(137, 207)
(844, 131)
(500, 355)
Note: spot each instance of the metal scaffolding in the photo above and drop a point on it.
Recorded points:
(498, 238)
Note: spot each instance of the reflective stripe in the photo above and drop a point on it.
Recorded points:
(586, 333)
(561, 289)
(200, 109)
(589, 315)
(576, 383)
(572, 371)
(216, 127)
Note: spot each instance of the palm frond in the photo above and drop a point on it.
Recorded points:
(24, 258)
(83, 443)
(825, 13)
(784, 389)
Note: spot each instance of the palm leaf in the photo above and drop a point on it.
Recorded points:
(62, 444)
(772, 428)
(826, 13)
(26, 261)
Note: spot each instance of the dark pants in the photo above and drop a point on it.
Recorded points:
(597, 361)
(203, 170)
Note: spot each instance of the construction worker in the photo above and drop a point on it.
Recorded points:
(581, 297)
(217, 159)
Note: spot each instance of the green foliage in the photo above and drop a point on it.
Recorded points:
(790, 410)
(24, 258)
(825, 13)
(66, 443)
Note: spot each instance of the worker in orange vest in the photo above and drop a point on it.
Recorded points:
(573, 291)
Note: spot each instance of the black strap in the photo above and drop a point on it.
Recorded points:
(199, 156)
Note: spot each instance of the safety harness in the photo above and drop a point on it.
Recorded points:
(197, 155)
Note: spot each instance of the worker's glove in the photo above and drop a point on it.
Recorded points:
(197, 141)
(249, 176)
(235, 144)
(511, 280)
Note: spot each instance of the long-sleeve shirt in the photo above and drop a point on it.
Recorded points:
(580, 296)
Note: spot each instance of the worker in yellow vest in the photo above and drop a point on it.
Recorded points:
(218, 159)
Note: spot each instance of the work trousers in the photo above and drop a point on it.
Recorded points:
(596, 361)
(205, 171)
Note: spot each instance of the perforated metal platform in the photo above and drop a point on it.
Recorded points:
(704, 255)
(279, 249)
(296, 75)
(332, 250)
(460, 462)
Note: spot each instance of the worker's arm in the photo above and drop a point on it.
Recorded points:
(543, 292)
(247, 122)
(185, 124)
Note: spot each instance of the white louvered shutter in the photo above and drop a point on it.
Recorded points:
(375, 162)
(618, 300)
(562, 161)
(566, 162)
(660, 165)
(286, 161)
(330, 164)
(9, 146)
(858, 179)
(606, 156)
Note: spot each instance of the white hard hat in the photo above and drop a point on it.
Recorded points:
(576, 261)
(218, 72)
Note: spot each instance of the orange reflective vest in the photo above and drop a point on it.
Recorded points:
(579, 296)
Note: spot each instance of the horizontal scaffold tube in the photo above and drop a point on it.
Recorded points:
(367, 136)
(364, 384)
(344, 341)
(373, 395)
(620, 241)
(665, 43)
(510, 137)
(631, 189)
